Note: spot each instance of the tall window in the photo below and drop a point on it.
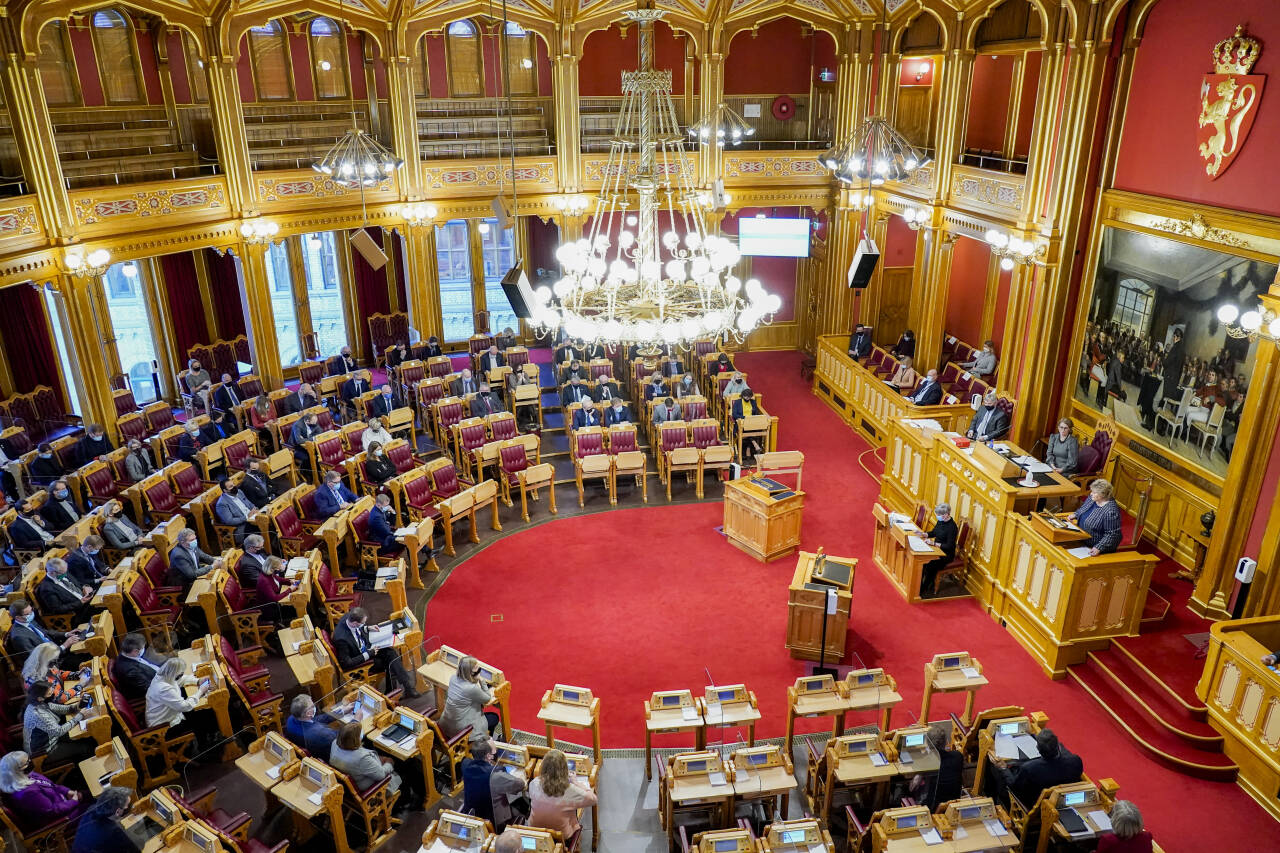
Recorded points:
(462, 46)
(131, 323)
(523, 64)
(324, 291)
(117, 54)
(195, 70)
(70, 376)
(1133, 304)
(283, 307)
(453, 260)
(269, 53)
(328, 58)
(421, 77)
(499, 252)
(57, 70)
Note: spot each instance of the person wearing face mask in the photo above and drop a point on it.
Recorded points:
(433, 348)
(187, 562)
(463, 385)
(904, 377)
(41, 666)
(58, 593)
(253, 558)
(27, 633)
(271, 588)
(29, 531)
(687, 387)
(575, 368)
(85, 564)
(133, 671)
(990, 421)
(605, 390)
(906, 345)
(304, 430)
(44, 731)
(118, 529)
(61, 510)
(672, 367)
(491, 360)
(199, 382)
(657, 388)
(217, 428)
(984, 362)
(233, 510)
(100, 827)
(375, 433)
(377, 467)
(617, 413)
(735, 385)
(485, 402)
(45, 468)
(191, 443)
(34, 799)
(587, 416)
(353, 388)
(383, 404)
(382, 526)
(94, 445)
(255, 485)
(226, 398)
(333, 496)
(137, 464)
(342, 363)
(667, 410)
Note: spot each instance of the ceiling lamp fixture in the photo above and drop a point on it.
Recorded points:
(94, 263)
(259, 232)
(1249, 325)
(915, 217)
(721, 126)
(649, 271)
(1013, 250)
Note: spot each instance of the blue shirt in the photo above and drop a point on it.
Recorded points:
(313, 735)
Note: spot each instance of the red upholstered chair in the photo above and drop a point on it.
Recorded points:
(401, 455)
(225, 356)
(590, 462)
(186, 481)
(294, 540)
(244, 616)
(132, 426)
(358, 523)
(162, 503)
(445, 482)
(237, 454)
(694, 409)
(158, 753)
(327, 454)
(439, 366)
(469, 435)
(949, 344)
(49, 406)
(417, 497)
(156, 569)
(335, 595)
(20, 441)
(199, 805)
(672, 435)
(715, 455)
(411, 373)
(304, 502)
(512, 459)
(600, 367)
(99, 482)
(949, 376)
(324, 418)
(240, 346)
(310, 373)
(502, 426)
(157, 610)
(253, 691)
(21, 409)
(622, 439)
(159, 416)
(517, 357)
(124, 402)
(446, 413)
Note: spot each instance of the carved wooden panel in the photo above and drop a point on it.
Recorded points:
(1118, 602)
(1090, 604)
(1270, 732)
(1250, 703)
(1054, 594)
(1225, 696)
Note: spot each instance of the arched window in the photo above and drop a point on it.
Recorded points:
(57, 70)
(195, 70)
(328, 59)
(466, 76)
(523, 64)
(117, 54)
(421, 77)
(269, 54)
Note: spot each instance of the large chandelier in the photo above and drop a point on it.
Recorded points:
(649, 271)
(875, 152)
(721, 126)
(358, 160)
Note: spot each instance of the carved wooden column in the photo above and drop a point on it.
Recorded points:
(402, 105)
(929, 289)
(255, 292)
(423, 279)
(229, 133)
(87, 344)
(568, 129)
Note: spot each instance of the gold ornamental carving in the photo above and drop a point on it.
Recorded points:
(1199, 228)
(1228, 101)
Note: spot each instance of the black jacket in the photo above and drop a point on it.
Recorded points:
(945, 533)
(86, 570)
(88, 449)
(189, 447)
(997, 424)
(22, 533)
(347, 647)
(931, 396)
(379, 470)
(23, 638)
(44, 471)
(947, 785)
(379, 407)
(860, 344)
(132, 678)
(56, 518)
(54, 598)
(296, 402)
(1033, 776)
(574, 393)
(222, 398)
(353, 388)
(257, 489)
(339, 365)
(597, 391)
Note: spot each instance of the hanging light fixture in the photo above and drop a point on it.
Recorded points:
(722, 126)
(1250, 324)
(650, 271)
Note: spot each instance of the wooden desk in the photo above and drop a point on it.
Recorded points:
(825, 704)
(263, 769)
(308, 800)
(766, 528)
(103, 626)
(807, 611)
(731, 714)
(332, 532)
(110, 762)
(572, 716)
(417, 537)
(442, 665)
(768, 783)
(200, 657)
(940, 680)
(880, 698)
(671, 721)
(902, 563)
(696, 792)
(311, 665)
(393, 585)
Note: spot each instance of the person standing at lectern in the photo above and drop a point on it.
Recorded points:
(943, 535)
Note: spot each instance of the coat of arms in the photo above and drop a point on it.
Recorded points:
(1228, 101)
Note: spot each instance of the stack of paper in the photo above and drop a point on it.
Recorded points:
(388, 572)
(717, 779)
(1027, 745)
(878, 759)
(381, 636)
(971, 672)
(296, 564)
(689, 712)
(405, 531)
(995, 827)
(1100, 819)
(931, 836)
(715, 713)
(919, 545)
(1006, 748)
(1080, 552)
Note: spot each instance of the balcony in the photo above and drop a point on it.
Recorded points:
(988, 192)
(147, 206)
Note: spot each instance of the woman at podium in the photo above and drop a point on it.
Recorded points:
(1099, 516)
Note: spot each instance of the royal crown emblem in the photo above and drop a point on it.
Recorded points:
(1228, 101)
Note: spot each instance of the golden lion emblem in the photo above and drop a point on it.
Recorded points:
(1225, 114)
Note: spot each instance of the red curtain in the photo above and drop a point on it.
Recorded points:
(186, 311)
(224, 282)
(28, 343)
(371, 290)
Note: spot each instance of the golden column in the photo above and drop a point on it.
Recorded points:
(870, 299)
(88, 348)
(229, 133)
(33, 134)
(255, 291)
(403, 107)
(929, 287)
(423, 278)
(832, 303)
(710, 96)
(568, 129)
(953, 102)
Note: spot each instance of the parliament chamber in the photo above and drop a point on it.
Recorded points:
(870, 408)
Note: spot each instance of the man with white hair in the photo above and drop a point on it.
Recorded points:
(990, 421)
(943, 535)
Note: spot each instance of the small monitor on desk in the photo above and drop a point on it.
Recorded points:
(727, 693)
(865, 679)
(695, 766)
(695, 763)
(1074, 798)
(122, 757)
(833, 572)
(913, 740)
(850, 746)
(815, 684)
(969, 812)
(1009, 728)
(316, 777)
(906, 821)
(757, 758)
(793, 836)
(671, 701)
(571, 695)
(951, 660)
(197, 838)
(370, 701)
(528, 842)
(408, 722)
(727, 845)
(161, 808)
(275, 750)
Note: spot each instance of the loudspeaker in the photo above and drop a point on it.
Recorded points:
(864, 263)
(501, 212)
(516, 285)
(363, 243)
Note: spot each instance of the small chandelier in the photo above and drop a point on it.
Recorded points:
(720, 126)
(259, 232)
(92, 264)
(1013, 250)
(915, 217)
(1249, 324)
(875, 152)
(358, 160)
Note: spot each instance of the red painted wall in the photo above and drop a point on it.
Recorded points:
(304, 88)
(86, 66)
(989, 102)
(244, 73)
(437, 67)
(967, 289)
(1027, 104)
(355, 67)
(491, 58)
(150, 70)
(606, 54)
(1158, 150)
(899, 249)
(179, 74)
(911, 67)
(1002, 307)
(793, 59)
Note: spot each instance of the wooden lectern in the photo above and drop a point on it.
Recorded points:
(807, 605)
(762, 517)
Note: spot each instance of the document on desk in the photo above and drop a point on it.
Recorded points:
(1079, 553)
(1006, 748)
(959, 833)
(381, 636)
(923, 423)
(295, 566)
(878, 759)
(1100, 819)
(995, 827)
(931, 836)
(388, 572)
(1035, 466)
(717, 779)
(274, 771)
(405, 531)
(1026, 745)
(316, 799)
(899, 518)
(689, 712)
(715, 713)
(971, 672)
(919, 545)
(106, 588)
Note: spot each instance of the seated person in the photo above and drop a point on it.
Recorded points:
(1063, 452)
(735, 385)
(465, 701)
(168, 705)
(303, 398)
(272, 588)
(1099, 516)
(487, 792)
(137, 464)
(383, 404)
(252, 558)
(555, 799)
(41, 667)
(722, 364)
(904, 377)
(233, 510)
(226, 397)
(133, 671)
(604, 390)
(574, 392)
(746, 405)
(187, 562)
(687, 387)
(199, 382)
(374, 433)
(46, 732)
(118, 529)
(85, 564)
(672, 366)
(485, 402)
(463, 385)
(932, 790)
(29, 530)
(984, 361)
(363, 765)
(342, 363)
(396, 355)
(929, 393)
(491, 360)
(1272, 659)
(220, 426)
(1054, 766)
(656, 388)
(507, 339)
(433, 348)
(191, 443)
(256, 486)
(667, 410)
(353, 388)
(333, 496)
(61, 510)
(27, 632)
(1127, 834)
(58, 593)
(570, 351)
(990, 421)
(100, 827)
(303, 433)
(377, 467)
(383, 522)
(34, 799)
(351, 645)
(587, 415)
(616, 413)
(860, 342)
(45, 468)
(575, 368)
(94, 445)
(906, 345)
(944, 535)
(309, 727)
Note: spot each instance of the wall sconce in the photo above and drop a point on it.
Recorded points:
(419, 213)
(129, 270)
(259, 232)
(1013, 250)
(861, 200)
(921, 70)
(1250, 322)
(94, 263)
(574, 205)
(915, 217)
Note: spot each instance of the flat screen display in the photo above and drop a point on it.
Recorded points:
(772, 237)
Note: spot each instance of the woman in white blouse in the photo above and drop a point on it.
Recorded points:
(375, 432)
(166, 704)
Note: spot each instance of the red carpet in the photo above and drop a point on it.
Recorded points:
(637, 600)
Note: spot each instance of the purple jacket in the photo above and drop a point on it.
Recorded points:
(42, 800)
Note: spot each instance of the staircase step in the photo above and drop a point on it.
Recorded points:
(1190, 705)
(1163, 746)
(1157, 705)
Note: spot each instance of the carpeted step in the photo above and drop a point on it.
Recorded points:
(1159, 705)
(1162, 745)
(1184, 705)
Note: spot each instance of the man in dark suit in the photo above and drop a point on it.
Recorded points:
(218, 428)
(304, 398)
(27, 632)
(304, 430)
(485, 403)
(575, 369)
(29, 531)
(354, 387)
(58, 593)
(383, 404)
(946, 784)
(587, 415)
(190, 443)
(45, 468)
(187, 562)
(233, 510)
(616, 413)
(491, 360)
(60, 511)
(574, 392)
(860, 342)
(333, 496)
(252, 561)
(672, 366)
(463, 385)
(94, 444)
(351, 645)
(132, 670)
(382, 525)
(342, 363)
(569, 351)
(226, 397)
(1174, 360)
(990, 422)
(605, 389)
(929, 393)
(433, 348)
(944, 535)
(255, 485)
(85, 564)
(1054, 766)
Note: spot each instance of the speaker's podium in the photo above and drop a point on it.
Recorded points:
(817, 579)
(762, 517)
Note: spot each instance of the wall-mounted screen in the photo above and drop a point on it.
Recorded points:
(770, 237)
